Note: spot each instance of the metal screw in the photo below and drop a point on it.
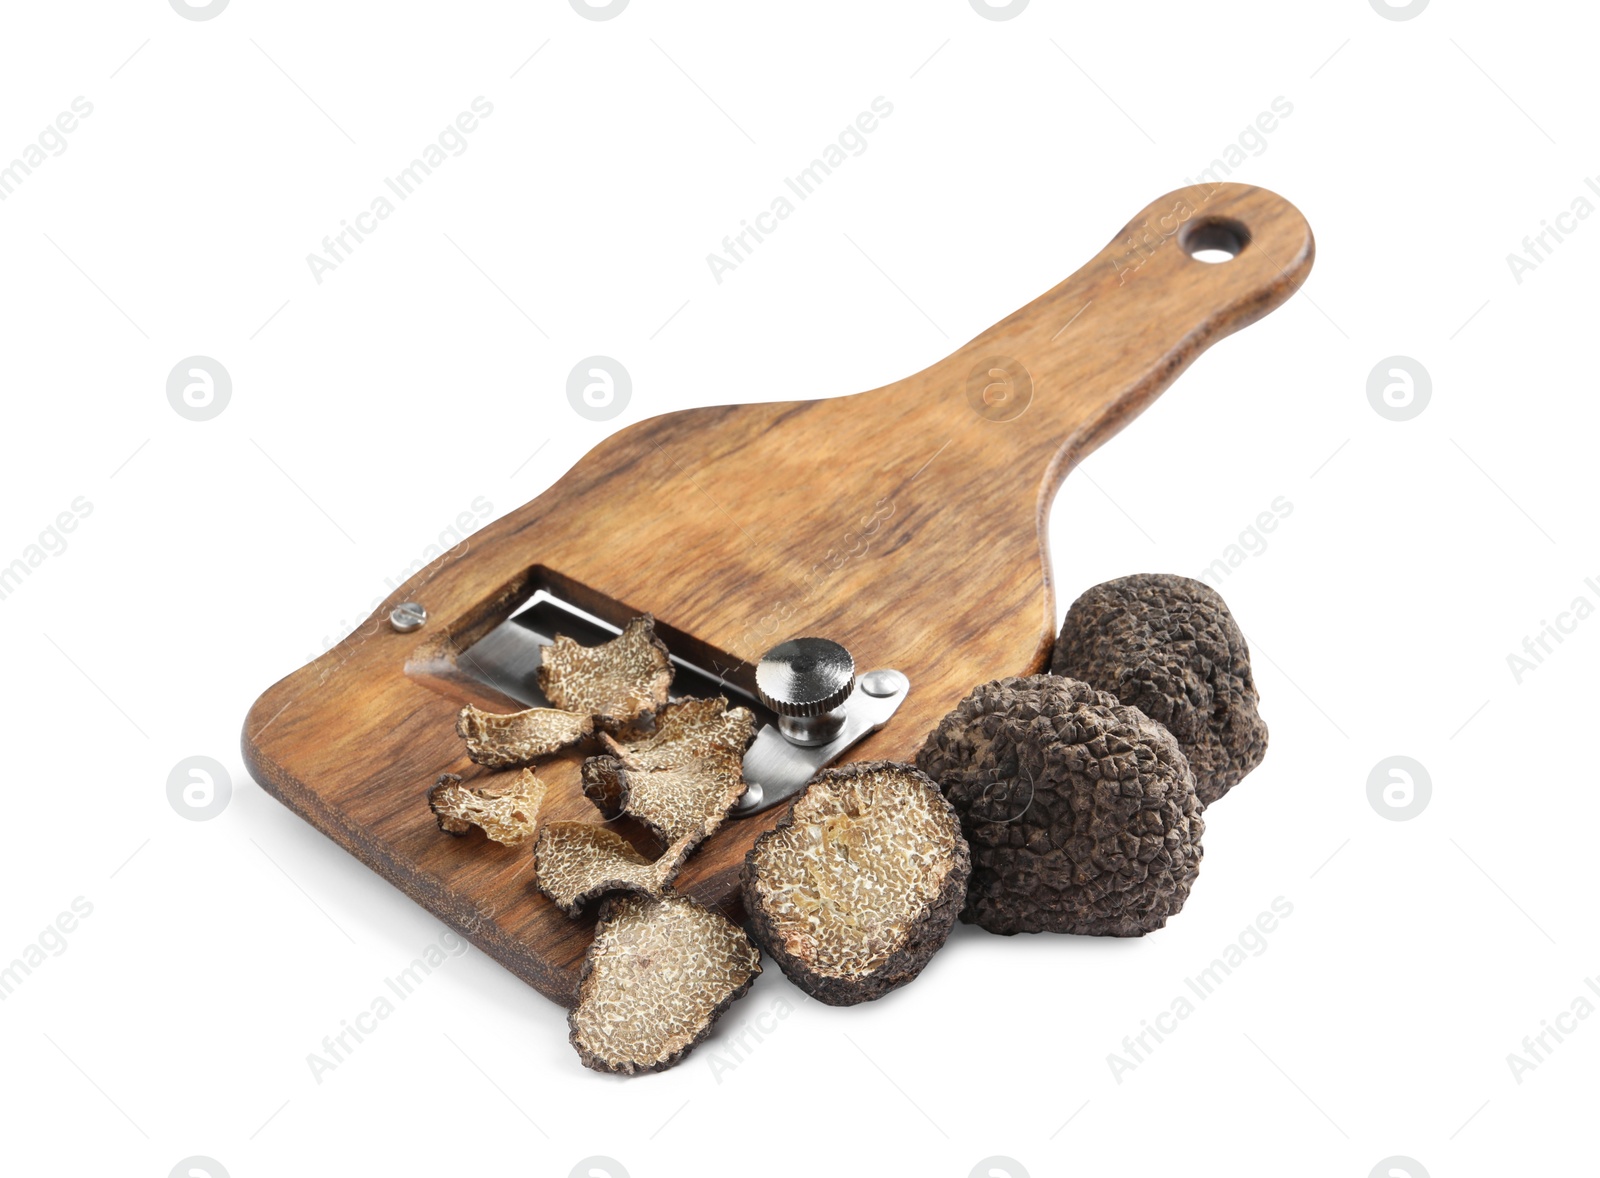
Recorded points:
(882, 683)
(807, 681)
(407, 616)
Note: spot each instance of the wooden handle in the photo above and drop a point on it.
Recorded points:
(1098, 347)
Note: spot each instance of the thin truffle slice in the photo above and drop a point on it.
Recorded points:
(685, 731)
(683, 804)
(860, 883)
(512, 739)
(1169, 647)
(682, 781)
(1080, 811)
(660, 972)
(505, 805)
(574, 862)
(621, 683)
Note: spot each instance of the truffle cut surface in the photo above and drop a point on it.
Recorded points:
(621, 683)
(505, 805)
(680, 782)
(686, 731)
(860, 883)
(575, 862)
(659, 973)
(506, 740)
(683, 804)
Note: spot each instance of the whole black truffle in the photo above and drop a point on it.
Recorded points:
(1080, 812)
(1169, 647)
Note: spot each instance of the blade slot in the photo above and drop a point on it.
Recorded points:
(508, 657)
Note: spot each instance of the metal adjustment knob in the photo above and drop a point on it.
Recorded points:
(807, 681)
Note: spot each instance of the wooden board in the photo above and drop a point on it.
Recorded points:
(907, 523)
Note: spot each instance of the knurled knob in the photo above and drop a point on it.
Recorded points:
(805, 677)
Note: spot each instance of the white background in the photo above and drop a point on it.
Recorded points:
(371, 409)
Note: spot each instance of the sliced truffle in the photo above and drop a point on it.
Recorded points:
(682, 781)
(505, 805)
(685, 731)
(1080, 811)
(506, 740)
(660, 972)
(621, 683)
(574, 862)
(860, 883)
(1169, 647)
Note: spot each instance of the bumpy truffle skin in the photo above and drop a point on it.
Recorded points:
(817, 867)
(1169, 647)
(1081, 812)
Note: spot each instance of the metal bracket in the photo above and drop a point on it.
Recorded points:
(776, 769)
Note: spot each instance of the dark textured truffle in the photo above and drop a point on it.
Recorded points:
(1169, 647)
(860, 883)
(1080, 811)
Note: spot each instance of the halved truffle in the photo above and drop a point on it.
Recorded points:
(510, 739)
(1081, 811)
(505, 805)
(660, 972)
(860, 883)
(576, 862)
(1168, 646)
(621, 683)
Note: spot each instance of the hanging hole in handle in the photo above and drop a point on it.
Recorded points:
(1214, 239)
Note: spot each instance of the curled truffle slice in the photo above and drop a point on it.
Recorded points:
(505, 805)
(511, 739)
(1080, 811)
(1169, 647)
(574, 862)
(660, 972)
(682, 780)
(687, 730)
(621, 683)
(683, 804)
(860, 883)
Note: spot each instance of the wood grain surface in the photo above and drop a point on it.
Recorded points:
(907, 522)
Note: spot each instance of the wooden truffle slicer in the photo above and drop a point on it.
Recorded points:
(924, 550)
